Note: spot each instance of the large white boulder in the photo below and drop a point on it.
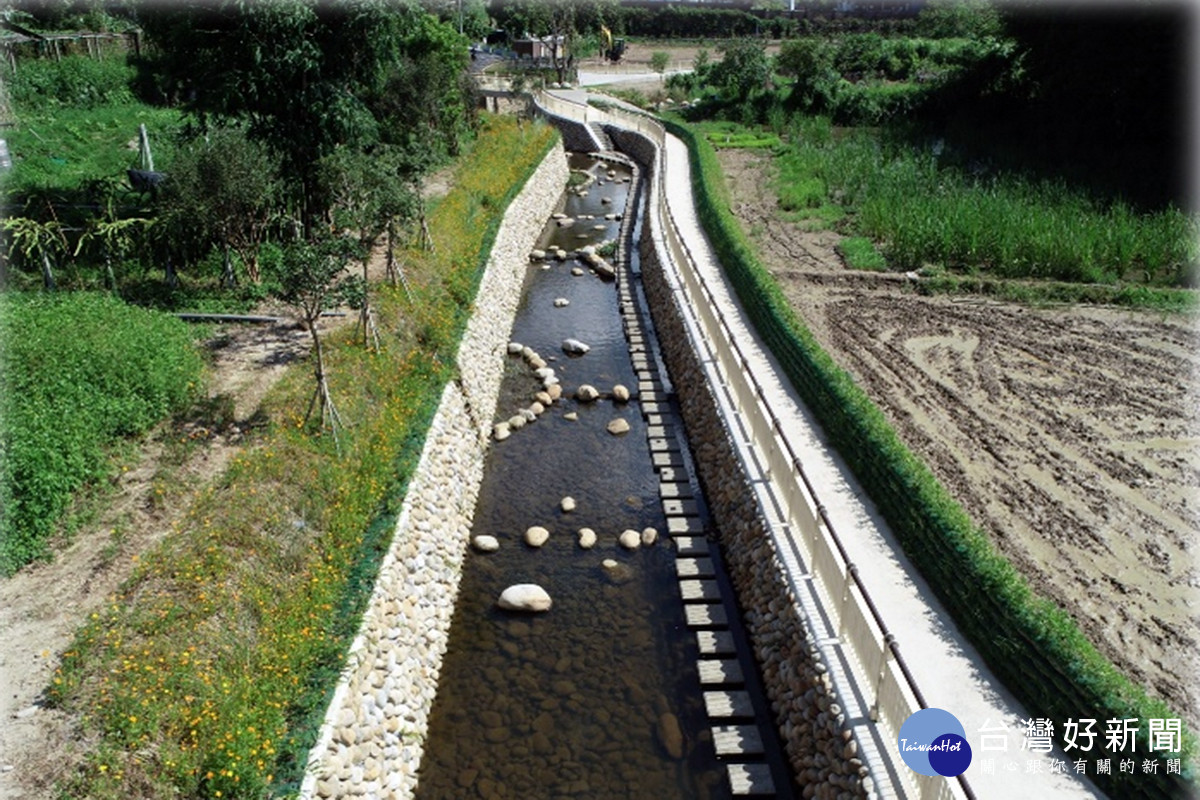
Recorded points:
(524, 597)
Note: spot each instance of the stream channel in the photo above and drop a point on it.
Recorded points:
(575, 702)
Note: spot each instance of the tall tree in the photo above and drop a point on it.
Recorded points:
(301, 73)
(369, 196)
(223, 190)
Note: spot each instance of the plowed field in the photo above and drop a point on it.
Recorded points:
(1068, 433)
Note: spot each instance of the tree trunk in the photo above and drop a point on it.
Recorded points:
(47, 273)
(228, 279)
(170, 276)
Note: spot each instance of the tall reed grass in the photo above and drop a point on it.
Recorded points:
(1011, 226)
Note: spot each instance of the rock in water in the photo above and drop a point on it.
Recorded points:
(670, 735)
(618, 426)
(586, 393)
(587, 538)
(616, 572)
(567, 504)
(649, 536)
(574, 347)
(524, 597)
(536, 536)
(486, 544)
(620, 393)
(630, 539)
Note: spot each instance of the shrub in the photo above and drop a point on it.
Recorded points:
(77, 81)
(77, 372)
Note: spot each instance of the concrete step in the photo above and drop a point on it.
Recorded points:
(715, 643)
(737, 740)
(720, 671)
(750, 779)
(695, 589)
(728, 704)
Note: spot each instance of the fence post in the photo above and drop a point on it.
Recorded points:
(851, 576)
(884, 655)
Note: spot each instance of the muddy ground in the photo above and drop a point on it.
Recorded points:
(1068, 433)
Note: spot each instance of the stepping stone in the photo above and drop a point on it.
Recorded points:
(656, 431)
(737, 740)
(650, 386)
(715, 643)
(691, 545)
(680, 508)
(666, 459)
(661, 445)
(720, 670)
(694, 568)
(654, 405)
(725, 704)
(750, 779)
(694, 589)
(705, 615)
(670, 490)
(677, 526)
(672, 474)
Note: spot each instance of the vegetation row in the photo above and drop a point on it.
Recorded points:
(1031, 644)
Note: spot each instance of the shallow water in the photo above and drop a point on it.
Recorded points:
(570, 703)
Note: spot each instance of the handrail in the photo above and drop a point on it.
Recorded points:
(886, 642)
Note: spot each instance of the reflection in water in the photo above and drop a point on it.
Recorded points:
(586, 700)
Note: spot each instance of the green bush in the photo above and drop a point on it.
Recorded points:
(76, 81)
(77, 372)
(1033, 646)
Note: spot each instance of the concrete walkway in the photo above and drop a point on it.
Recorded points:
(947, 669)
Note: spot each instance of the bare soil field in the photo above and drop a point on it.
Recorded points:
(1068, 433)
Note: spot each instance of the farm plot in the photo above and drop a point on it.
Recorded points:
(1068, 433)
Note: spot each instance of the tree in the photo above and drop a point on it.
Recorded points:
(743, 68)
(300, 73)
(553, 22)
(369, 197)
(223, 189)
(308, 277)
(658, 62)
(810, 62)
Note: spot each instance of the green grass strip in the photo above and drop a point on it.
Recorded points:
(1033, 646)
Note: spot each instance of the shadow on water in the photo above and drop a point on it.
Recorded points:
(573, 702)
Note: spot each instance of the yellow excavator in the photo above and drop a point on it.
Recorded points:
(613, 48)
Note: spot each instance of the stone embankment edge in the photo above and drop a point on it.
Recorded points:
(372, 740)
(819, 745)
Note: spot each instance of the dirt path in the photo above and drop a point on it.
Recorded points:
(42, 606)
(1070, 434)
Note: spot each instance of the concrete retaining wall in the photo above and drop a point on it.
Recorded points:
(373, 737)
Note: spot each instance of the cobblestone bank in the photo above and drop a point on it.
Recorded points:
(373, 737)
(820, 747)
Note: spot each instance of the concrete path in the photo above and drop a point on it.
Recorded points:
(947, 669)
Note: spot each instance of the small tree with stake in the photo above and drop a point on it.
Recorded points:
(308, 278)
